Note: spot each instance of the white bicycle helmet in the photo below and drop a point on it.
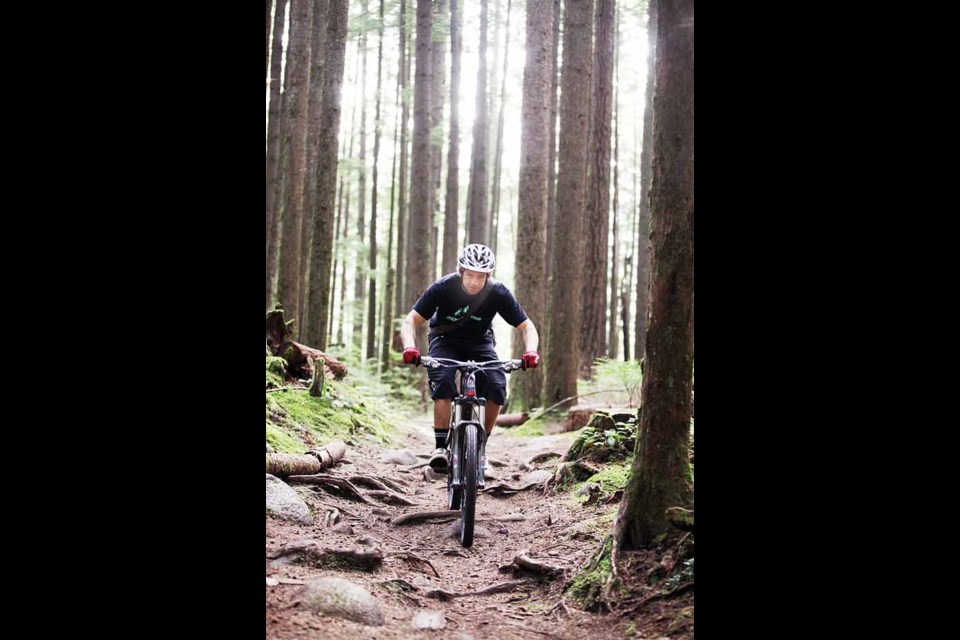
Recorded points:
(477, 257)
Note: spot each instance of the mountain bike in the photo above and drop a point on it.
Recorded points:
(467, 438)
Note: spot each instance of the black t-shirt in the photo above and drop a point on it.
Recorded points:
(445, 302)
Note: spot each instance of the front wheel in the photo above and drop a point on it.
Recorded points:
(468, 502)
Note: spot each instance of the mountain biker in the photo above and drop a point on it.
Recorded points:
(452, 335)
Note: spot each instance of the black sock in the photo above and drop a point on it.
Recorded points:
(441, 437)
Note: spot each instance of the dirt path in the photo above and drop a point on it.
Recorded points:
(534, 610)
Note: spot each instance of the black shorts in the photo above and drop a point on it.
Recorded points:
(491, 384)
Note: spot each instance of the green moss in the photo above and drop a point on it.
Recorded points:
(282, 441)
(603, 439)
(296, 421)
(587, 585)
(530, 428)
(613, 477)
(276, 371)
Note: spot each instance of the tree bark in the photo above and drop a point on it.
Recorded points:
(284, 465)
(613, 342)
(530, 258)
(552, 157)
(359, 279)
(642, 262)
(438, 73)
(422, 183)
(451, 219)
(372, 288)
(564, 301)
(267, 64)
(593, 334)
(403, 260)
(498, 155)
(293, 148)
(660, 474)
(318, 54)
(327, 161)
(478, 215)
(273, 150)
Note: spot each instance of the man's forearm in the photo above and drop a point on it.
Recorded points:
(407, 335)
(531, 339)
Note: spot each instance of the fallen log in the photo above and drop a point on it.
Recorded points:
(512, 419)
(283, 465)
(299, 357)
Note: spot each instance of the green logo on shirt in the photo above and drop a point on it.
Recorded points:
(459, 312)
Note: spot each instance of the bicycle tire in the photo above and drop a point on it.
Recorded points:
(468, 503)
(453, 493)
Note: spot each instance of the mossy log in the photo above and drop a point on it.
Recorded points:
(299, 357)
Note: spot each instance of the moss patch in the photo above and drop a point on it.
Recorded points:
(296, 421)
(276, 372)
(587, 586)
(613, 477)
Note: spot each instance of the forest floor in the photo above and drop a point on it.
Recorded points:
(557, 529)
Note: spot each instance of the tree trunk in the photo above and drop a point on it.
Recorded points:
(566, 268)
(273, 149)
(388, 295)
(267, 64)
(530, 271)
(372, 294)
(451, 221)
(342, 248)
(333, 271)
(552, 153)
(498, 156)
(437, 69)
(625, 306)
(403, 266)
(477, 212)
(613, 342)
(593, 335)
(642, 263)
(293, 147)
(422, 183)
(660, 475)
(359, 279)
(318, 43)
(327, 161)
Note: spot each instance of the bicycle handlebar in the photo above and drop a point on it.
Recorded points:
(437, 363)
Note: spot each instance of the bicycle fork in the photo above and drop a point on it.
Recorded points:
(458, 438)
